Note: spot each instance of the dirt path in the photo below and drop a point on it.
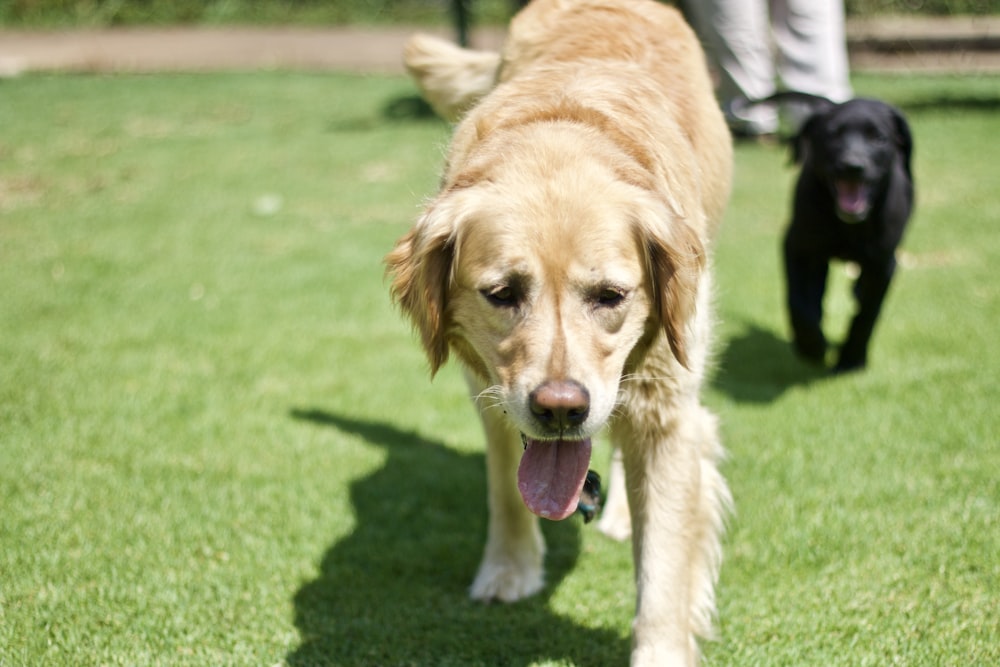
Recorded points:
(963, 44)
(203, 49)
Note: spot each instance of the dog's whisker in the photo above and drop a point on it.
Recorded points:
(490, 404)
(618, 411)
(490, 398)
(638, 377)
(492, 390)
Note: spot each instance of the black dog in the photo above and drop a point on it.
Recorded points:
(852, 202)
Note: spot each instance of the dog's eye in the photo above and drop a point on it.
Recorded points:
(501, 296)
(872, 135)
(609, 297)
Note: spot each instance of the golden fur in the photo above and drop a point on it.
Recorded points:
(565, 262)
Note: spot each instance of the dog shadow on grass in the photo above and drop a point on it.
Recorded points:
(394, 591)
(757, 366)
(409, 108)
(397, 110)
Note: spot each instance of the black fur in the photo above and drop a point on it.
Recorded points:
(852, 202)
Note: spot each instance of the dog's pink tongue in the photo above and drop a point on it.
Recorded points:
(551, 476)
(852, 198)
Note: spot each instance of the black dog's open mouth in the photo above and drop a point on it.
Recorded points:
(551, 475)
(853, 199)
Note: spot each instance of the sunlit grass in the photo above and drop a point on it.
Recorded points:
(220, 445)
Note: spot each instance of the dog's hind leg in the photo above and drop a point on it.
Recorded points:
(615, 521)
(869, 290)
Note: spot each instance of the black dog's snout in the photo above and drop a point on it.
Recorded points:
(854, 157)
(852, 169)
(852, 165)
(560, 404)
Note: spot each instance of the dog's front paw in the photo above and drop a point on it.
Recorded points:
(810, 345)
(657, 657)
(808, 340)
(848, 365)
(508, 577)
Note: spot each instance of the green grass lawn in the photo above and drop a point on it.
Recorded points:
(219, 444)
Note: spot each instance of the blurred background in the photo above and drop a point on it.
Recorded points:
(102, 13)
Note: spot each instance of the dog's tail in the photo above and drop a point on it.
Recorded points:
(451, 79)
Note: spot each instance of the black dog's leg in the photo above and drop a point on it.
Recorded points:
(806, 282)
(869, 290)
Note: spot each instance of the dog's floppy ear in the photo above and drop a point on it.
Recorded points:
(420, 268)
(801, 141)
(904, 138)
(675, 257)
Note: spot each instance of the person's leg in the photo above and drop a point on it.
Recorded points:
(812, 47)
(737, 36)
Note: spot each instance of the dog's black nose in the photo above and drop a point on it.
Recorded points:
(560, 404)
(851, 165)
(851, 172)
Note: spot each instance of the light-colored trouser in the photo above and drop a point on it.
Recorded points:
(756, 44)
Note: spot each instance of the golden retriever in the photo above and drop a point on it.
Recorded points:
(565, 262)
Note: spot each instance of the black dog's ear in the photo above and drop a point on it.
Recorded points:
(804, 105)
(801, 142)
(904, 138)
